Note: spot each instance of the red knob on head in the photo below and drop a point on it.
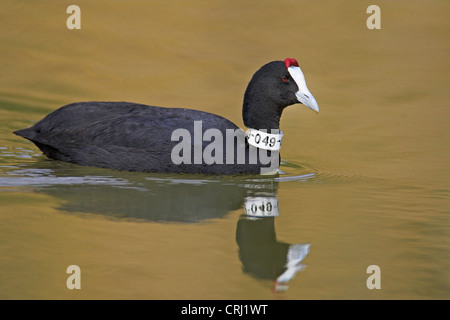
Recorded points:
(290, 62)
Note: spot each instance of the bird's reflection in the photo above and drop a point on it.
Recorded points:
(177, 198)
(262, 256)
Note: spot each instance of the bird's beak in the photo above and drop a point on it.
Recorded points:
(303, 94)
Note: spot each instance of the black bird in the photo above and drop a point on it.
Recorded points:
(135, 137)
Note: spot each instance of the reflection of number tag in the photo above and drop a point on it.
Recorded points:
(264, 140)
(261, 206)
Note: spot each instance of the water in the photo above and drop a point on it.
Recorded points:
(365, 182)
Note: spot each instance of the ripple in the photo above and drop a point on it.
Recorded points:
(193, 181)
(45, 177)
(303, 177)
(18, 152)
(52, 173)
(305, 172)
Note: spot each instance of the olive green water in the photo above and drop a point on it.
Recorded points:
(366, 180)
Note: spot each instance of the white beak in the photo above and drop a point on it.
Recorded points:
(303, 95)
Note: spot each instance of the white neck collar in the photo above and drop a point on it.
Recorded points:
(263, 140)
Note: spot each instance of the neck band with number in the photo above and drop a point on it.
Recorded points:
(264, 140)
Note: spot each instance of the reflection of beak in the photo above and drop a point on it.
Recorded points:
(303, 94)
(296, 253)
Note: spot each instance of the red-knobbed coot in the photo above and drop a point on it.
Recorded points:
(135, 137)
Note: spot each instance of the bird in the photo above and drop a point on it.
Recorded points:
(137, 137)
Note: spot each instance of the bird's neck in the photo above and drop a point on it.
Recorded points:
(261, 113)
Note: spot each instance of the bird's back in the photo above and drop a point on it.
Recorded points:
(123, 136)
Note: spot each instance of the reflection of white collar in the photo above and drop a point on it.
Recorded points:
(296, 253)
(259, 207)
(263, 140)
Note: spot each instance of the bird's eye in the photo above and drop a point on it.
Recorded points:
(285, 79)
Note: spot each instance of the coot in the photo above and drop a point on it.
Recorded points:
(135, 137)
